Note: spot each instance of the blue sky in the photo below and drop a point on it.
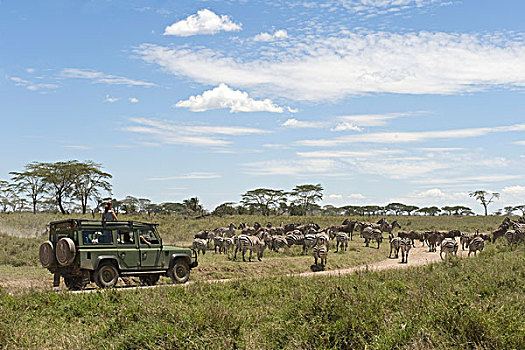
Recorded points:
(419, 101)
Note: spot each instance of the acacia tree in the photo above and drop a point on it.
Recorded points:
(264, 199)
(4, 194)
(485, 198)
(193, 205)
(89, 181)
(307, 195)
(60, 179)
(429, 210)
(509, 210)
(31, 182)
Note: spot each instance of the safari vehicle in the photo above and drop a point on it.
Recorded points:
(83, 251)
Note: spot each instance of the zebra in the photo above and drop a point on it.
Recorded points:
(514, 236)
(279, 242)
(475, 244)
(200, 245)
(395, 243)
(294, 238)
(320, 251)
(227, 245)
(370, 233)
(405, 245)
(218, 242)
(253, 243)
(448, 246)
(309, 241)
(341, 239)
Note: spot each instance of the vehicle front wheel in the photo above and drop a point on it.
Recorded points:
(150, 280)
(179, 272)
(106, 275)
(74, 283)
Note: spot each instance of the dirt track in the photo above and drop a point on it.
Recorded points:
(418, 256)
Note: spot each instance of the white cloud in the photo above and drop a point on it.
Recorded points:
(345, 126)
(358, 63)
(276, 146)
(99, 77)
(190, 176)
(356, 196)
(335, 196)
(435, 196)
(441, 149)
(167, 132)
(380, 7)
(521, 143)
(204, 22)
(30, 70)
(277, 35)
(298, 124)
(410, 137)
(31, 85)
(224, 97)
(371, 119)
(303, 167)
(349, 154)
(517, 191)
(133, 100)
(110, 99)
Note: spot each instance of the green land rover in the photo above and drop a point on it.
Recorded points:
(84, 251)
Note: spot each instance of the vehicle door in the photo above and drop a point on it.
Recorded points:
(127, 249)
(149, 255)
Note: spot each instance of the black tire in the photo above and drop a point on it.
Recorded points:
(106, 275)
(74, 283)
(180, 271)
(46, 254)
(149, 280)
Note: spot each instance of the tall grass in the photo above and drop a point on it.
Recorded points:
(472, 303)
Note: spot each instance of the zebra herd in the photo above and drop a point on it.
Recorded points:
(312, 238)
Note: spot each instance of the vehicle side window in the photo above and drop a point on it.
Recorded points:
(97, 237)
(126, 237)
(149, 235)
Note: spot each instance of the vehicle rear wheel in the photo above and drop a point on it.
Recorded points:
(149, 280)
(180, 271)
(74, 283)
(106, 275)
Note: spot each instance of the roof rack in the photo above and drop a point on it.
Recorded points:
(79, 222)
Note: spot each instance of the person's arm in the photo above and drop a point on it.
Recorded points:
(145, 241)
(114, 215)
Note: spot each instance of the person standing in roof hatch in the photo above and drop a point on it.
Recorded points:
(109, 214)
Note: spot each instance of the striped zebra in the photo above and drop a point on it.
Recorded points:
(341, 240)
(514, 236)
(448, 246)
(309, 241)
(320, 251)
(200, 245)
(405, 246)
(294, 238)
(475, 244)
(279, 242)
(370, 234)
(252, 243)
(218, 242)
(227, 245)
(395, 243)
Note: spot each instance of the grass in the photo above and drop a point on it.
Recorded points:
(472, 303)
(22, 233)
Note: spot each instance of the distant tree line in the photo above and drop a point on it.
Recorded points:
(70, 186)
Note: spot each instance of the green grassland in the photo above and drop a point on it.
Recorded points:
(475, 303)
(22, 233)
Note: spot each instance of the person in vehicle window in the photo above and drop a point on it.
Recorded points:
(109, 214)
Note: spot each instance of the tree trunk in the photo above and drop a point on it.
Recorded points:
(486, 210)
(60, 206)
